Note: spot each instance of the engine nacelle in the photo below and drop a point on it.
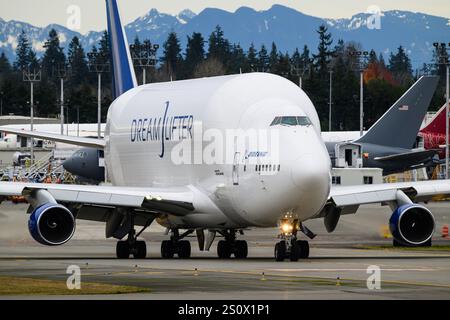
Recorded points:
(51, 224)
(412, 225)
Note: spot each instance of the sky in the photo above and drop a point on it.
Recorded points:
(92, 12)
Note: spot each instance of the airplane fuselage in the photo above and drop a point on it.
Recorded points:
(168, 134)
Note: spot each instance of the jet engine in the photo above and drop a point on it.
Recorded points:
(51, 224)
(412, 225)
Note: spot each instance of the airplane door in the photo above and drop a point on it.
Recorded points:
(236, 169)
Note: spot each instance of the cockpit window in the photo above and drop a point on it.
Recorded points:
(304, 121)
(291, 121)
(276, 121)
(80, 154)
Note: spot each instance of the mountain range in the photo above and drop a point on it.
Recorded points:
(287, 27)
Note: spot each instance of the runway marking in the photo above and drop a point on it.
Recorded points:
(426, 284)
(398, 282)
(350, 270)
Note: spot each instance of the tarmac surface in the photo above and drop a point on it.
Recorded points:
(346, 254)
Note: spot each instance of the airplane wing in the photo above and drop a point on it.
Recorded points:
(415, 156)
(349, 198)
(78, 141)
(177, 201)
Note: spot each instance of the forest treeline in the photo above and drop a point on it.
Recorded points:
(384, 81)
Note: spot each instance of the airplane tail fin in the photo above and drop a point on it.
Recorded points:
(437, 123)
(399, 126)
(123, 74)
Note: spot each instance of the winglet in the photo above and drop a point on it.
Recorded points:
(123, 74)
(399, 126)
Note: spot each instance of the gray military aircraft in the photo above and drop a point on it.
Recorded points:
(390, 141)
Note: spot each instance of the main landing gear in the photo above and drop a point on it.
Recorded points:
(289, 247)
(229, 246)
(176, 245)
(132, 246)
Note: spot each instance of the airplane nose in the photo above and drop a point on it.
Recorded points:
(311, 173)
(68, 164)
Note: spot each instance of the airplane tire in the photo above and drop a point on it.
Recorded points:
(122, 250)
(223, 250)
(184, 249)
(295, 252)
(429, 243)
(280, 251)
(141, 250)
(167, 249)
(304, 249)
(241, 249)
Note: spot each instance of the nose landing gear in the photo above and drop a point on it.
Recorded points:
(289, 247)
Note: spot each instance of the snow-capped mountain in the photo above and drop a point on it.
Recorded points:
(287, 27)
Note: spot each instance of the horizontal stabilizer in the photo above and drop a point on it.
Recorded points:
(410, 156)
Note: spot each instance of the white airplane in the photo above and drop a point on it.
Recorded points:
(285, 187)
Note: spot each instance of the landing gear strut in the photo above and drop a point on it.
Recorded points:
(132, 246)
(289, 246)
(176, 246)
(229, 246)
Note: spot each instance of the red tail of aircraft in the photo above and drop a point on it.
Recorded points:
(434, 133)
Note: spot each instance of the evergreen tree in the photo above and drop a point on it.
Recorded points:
(252, 58)
(195, 54)
(5, 67)
(54, 56)
(296, 59)
(283, 66)
(400, 66)
(25, 56)
(263, 59)
(238, 60)
(171, 55)
(104, 50)
(344, 110)
(438, 68)
(339, 48)
(137, 52)
(77, 62)
(273, 58)
(306, 56)
(381, 60)
(373, 57)
(219, 47)
(324, 54)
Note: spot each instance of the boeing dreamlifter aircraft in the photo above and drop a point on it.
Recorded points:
(287, 186)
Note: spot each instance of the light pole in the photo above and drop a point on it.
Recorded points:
(78, 120)
(67, 121)
(1, 104)
(144, 56)
(32, 77)
(61, 73)
(360, 64)
(98, 63)
(331, 100)
(443, 59)
(299, 71)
